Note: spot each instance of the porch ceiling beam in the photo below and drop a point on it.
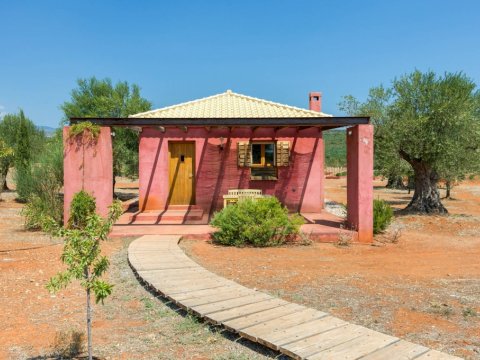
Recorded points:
(308, 127)
(228, 122)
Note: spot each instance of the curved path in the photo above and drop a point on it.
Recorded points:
(294, 330)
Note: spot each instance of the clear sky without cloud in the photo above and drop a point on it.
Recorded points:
(182, 50)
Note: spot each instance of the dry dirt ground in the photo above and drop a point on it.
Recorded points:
(425, 288)
(132, 324)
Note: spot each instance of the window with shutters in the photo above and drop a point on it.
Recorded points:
(263, 158)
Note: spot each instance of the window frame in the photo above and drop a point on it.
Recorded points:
(262, 154)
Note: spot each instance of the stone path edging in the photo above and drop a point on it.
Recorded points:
(291, 329)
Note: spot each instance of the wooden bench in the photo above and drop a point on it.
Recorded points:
(234, 195)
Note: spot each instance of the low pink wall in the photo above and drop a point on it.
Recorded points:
(299, 186)
(89, 166)
(360, 181)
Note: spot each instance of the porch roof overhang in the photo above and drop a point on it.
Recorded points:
(325, 123)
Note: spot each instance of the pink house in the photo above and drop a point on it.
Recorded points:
(192, 154)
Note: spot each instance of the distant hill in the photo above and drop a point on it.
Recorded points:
(49, 131)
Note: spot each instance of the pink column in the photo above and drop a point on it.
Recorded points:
(313, 196)
(360, 181)
(88, 165)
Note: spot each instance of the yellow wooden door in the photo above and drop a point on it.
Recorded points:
(181, 173)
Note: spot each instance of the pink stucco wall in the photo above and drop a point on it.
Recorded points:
(89, 166)
(360, 181)
(299, 186)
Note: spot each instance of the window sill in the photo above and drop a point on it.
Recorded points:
(258, 177)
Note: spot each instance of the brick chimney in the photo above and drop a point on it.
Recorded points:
(315, 101)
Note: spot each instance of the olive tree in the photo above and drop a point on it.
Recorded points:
(19, 133)
(431, 123)
(435, 127)
(6, 156)
(101, 98)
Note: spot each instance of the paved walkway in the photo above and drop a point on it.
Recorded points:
(294, 330)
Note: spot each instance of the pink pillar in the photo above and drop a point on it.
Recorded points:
(360, 181)
(313, 197)
(88, 165)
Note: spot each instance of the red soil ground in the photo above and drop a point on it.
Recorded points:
(424, 288)
(131, 325)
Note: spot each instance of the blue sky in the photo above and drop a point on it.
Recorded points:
(182, 50)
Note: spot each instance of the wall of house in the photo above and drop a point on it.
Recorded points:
(299, 186)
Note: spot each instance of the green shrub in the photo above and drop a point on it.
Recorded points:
(83, 205)
(382, 215)
(261, 222)
(23, 182)
(40, 184)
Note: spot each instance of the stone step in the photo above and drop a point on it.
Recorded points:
(193, 232)
(174, 214)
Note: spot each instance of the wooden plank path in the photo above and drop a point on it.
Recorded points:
(291, 329)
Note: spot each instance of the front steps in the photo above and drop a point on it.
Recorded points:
(173, 215)
(187, 220)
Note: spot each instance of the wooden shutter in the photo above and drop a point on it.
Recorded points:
(283, 153)
(244, 149)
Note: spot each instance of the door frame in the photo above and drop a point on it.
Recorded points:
(194, 177)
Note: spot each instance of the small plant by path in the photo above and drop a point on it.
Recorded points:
(81, 252)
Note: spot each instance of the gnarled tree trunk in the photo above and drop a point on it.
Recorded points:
(448, 186)
(395, 182)
(3, 178)
(426, 198)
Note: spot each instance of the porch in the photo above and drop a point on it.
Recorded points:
(192, 223)
(192, 154)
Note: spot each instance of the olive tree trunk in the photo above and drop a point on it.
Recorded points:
(3, 178)
(448, 186)
(395, 182)
(426, 198)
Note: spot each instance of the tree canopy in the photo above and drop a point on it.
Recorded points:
(20, 134)
(101, 98)
(429, 121)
